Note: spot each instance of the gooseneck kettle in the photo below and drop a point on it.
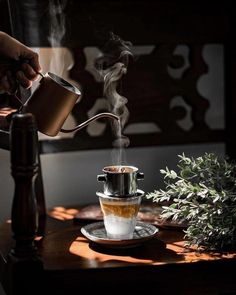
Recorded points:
(52, 101)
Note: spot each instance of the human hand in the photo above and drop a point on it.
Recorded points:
(12, 49)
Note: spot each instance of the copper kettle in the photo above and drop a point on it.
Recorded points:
(51, 103)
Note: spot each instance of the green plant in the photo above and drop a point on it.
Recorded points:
(202, 193)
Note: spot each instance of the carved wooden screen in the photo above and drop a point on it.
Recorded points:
(157, 100)
(151, 91)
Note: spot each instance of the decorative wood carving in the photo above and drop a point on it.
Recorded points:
(150, 90)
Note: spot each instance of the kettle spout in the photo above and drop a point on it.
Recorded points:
(98, 116)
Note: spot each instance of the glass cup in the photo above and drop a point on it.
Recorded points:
(120, 215)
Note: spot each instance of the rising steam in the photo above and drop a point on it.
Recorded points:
(57, 33)
(113, 65)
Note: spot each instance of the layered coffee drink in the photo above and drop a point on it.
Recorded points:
(121, 208)
(120, 215)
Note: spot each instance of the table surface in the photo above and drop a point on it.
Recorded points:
(65, 252)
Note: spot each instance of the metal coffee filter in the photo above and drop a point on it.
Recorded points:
(120, 181)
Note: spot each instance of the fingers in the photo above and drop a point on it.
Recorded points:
(5, 85)
(24, 77)
(23, 80)
(34, 61)
(29, 72)
(8, 83)
(33, 58)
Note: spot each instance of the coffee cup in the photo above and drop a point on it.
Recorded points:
(120, 214)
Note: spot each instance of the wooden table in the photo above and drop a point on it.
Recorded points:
(162, 265)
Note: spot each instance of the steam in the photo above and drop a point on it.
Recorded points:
(58, 59)
(116, 101)
(57, 33)
(112, 66)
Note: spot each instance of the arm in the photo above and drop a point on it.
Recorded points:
(10, 48)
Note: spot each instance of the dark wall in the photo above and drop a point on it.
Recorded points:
(88, 22)
(4, 17)
(148, 86)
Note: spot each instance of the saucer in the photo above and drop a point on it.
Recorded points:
(96, 232)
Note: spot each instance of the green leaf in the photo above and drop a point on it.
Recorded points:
(202, 192)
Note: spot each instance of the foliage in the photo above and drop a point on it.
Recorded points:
(203, 193)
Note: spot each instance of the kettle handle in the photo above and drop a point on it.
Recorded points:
(101, 177)
(140, 175)
(15, 65)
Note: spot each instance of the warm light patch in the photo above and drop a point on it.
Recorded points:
(192, 255)
(80, 247)
(63, 213)
(38, 238)
(4, 112)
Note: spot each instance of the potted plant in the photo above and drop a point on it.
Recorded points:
(203, 194)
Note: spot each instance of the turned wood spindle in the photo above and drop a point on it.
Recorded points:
(24, 169)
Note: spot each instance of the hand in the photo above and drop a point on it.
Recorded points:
(10, 48)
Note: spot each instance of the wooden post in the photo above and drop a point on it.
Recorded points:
(24, 167)
(24, 268)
